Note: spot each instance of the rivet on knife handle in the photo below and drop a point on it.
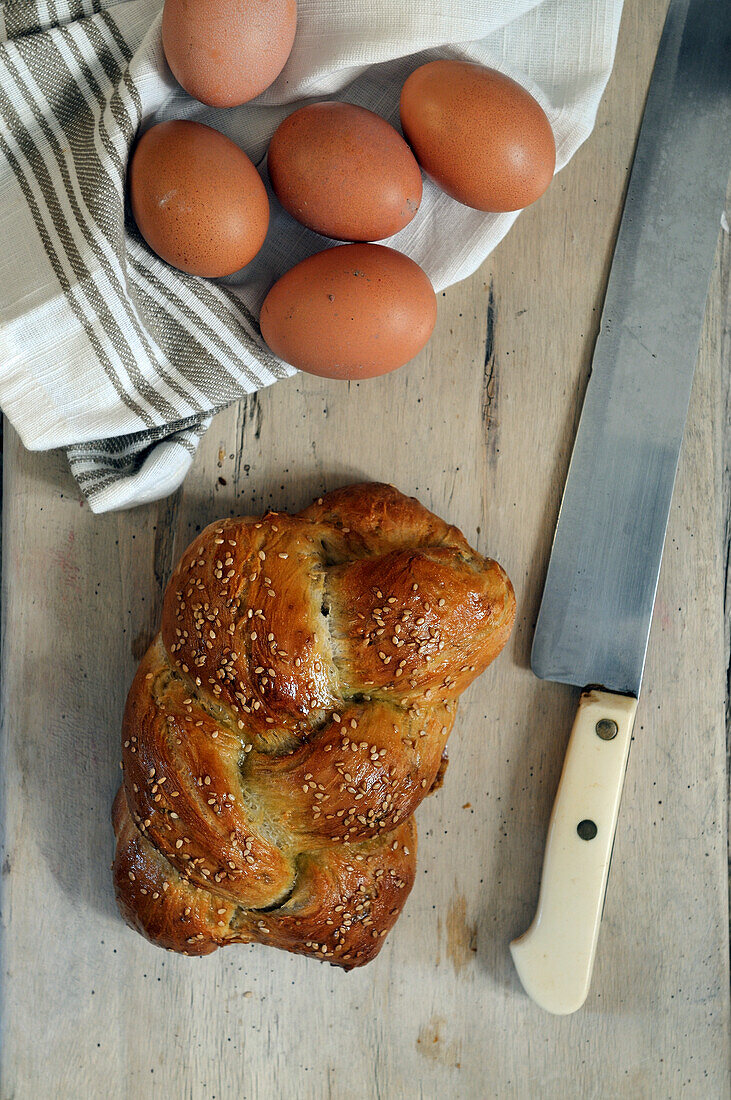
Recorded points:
(555, 957)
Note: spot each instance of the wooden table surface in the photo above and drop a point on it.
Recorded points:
(479, 428)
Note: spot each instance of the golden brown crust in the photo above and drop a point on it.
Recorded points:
(290, 717)
(343, 903)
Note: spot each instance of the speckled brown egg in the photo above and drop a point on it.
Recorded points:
(353, 312)
(197, 199)
(226, 52)
(344, 172)
(479, 135)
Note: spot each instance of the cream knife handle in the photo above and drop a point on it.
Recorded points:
(555, 957)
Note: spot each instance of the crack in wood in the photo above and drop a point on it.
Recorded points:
(488, 410)
(248, 412)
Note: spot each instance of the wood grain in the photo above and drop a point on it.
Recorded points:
(480, 428)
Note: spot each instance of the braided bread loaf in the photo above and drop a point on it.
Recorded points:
(290, 717)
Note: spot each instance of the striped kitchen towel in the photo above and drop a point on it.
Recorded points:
(104, 349)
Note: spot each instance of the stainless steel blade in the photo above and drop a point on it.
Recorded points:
(600, 588)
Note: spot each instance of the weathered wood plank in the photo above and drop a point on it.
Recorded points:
(480, 428)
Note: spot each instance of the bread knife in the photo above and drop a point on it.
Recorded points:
(594, 620)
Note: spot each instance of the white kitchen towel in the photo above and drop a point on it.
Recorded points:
(104, 349)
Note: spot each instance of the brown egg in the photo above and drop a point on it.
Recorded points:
(344, 172)
(354, 311)
(225, 52)
(480, 136)
(197, 199)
